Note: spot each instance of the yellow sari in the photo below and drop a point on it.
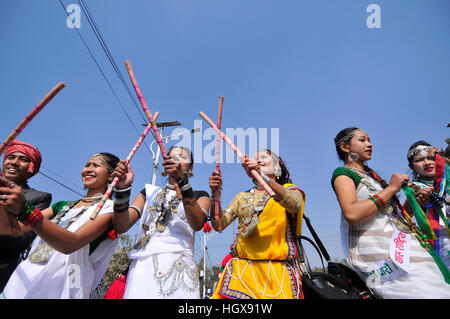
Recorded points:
(264, 264)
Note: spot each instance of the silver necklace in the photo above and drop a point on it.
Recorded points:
(163, 213)
(253, 220)
(92, 198)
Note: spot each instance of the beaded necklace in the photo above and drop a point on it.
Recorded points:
(92, 198)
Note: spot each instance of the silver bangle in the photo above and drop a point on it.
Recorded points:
(122, 190)
(137, 210)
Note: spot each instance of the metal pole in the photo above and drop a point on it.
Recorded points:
(204, 265)
(156, 162)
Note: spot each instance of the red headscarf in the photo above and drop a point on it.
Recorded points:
(30, 151)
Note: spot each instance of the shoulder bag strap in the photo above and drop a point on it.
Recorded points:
(317, 239)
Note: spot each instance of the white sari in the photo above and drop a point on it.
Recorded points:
(71, 276)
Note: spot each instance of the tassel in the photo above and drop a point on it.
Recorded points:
(112, 234)
(226, 259)
(117, 288)
(207, 228)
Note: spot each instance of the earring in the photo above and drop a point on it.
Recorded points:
(277, 171)
(353, 157)
(189, 173)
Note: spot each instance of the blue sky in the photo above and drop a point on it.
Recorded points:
(306, 68)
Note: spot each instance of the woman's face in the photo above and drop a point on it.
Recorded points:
(361, 145)
(181, 156)
(95, 174)
(423, 164)
(266, 162)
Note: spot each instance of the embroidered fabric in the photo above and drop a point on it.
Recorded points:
(244, 272)
(163, 276)
(242, 206)
(252, 220)
(174, 278)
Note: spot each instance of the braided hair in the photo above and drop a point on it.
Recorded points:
(382, 182)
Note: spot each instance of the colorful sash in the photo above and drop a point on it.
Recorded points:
(429, 222)
(442, 174)
(424, 232)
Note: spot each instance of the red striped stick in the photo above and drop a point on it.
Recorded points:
(219, 125)
(239, 154)
(151, 120)
(116, 179)
(30, 116)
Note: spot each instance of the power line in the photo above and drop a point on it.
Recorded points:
(103, 74)
(105, 48)
(99, 36)
(111, 59)
(61, 177)
(54, 180)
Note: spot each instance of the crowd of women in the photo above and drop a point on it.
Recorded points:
(401, 250)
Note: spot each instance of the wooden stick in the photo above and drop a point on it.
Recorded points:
(116, 179)
(239, 154)
(151, 120)
(219, 125)
(30, 116)
(15, 227)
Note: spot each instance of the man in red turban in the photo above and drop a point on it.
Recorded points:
(20, 162)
